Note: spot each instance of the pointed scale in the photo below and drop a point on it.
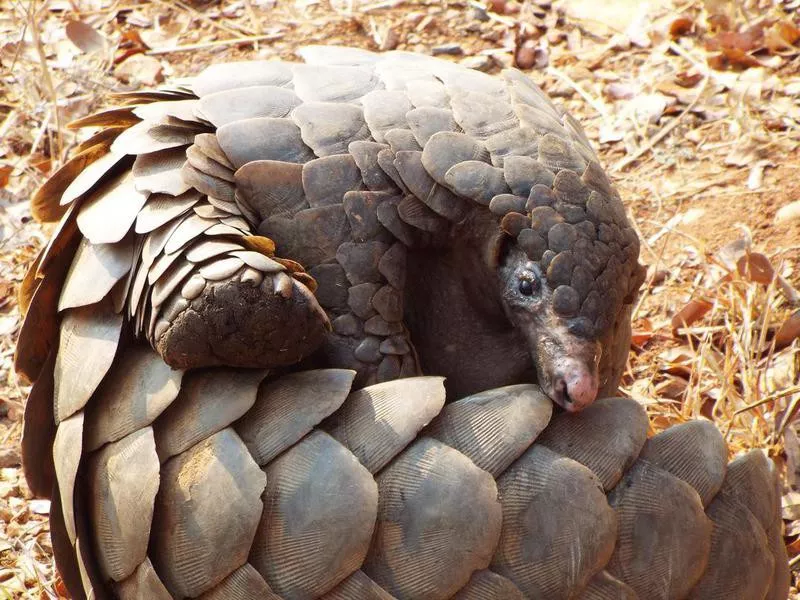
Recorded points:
(438, 521)
(108, 214)
(86, 348)
(137, 389)
(195, 414)
(123, 481)
(95, 269)
(493, 428)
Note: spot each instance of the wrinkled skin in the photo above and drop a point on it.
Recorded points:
(566, 364)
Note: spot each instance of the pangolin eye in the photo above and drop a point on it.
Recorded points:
(527, 286)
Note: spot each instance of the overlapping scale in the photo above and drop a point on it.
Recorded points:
(558, 529)
(694, 452)
(288, 408)
(665, 558)
(123, 481)
(495, 427)
(210, 400)
(585, 437)
(320, 506)
(375, 423)
(206, 514)
(438, 521)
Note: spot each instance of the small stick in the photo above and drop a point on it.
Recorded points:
(270, 37)
(581, 92)
(48, 81)
(254, 16)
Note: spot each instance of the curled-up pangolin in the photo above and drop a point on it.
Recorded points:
(228, 332)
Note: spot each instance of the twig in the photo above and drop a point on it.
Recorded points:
(581, 92)
(254, 16)
(48, 81)
(269, 37)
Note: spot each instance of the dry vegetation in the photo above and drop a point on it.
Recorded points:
(693, 105)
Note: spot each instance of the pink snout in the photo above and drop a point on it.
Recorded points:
(576, 387)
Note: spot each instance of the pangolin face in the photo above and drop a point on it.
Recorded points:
(566, 359)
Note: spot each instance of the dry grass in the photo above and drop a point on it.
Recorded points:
(701, 141)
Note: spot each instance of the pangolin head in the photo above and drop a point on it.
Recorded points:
(568, 264)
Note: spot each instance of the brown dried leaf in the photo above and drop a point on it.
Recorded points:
(673, 388)
(530, 54)
(788, 332)
(141, 69)
(85, 37)
(732, 57)
(719, 22)
(781, 36)
(687, 79)
(755, 267)
(643, 332)
(695, 310)
(746, 41)
(676, 361)
(680, 26)
(5, 174)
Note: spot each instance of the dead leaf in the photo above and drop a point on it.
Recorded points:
(756, 176)
(673, 388)
(790, 506)
(140, 69)
(788, 332)
(649, 108)
(5, 174)
(85, 37)
(687, 79)
(718, 22)
(643, 332)
(691, 313)
(781, 36)
(680, 26)
(756, 267)
(531, 54)
(676, 361)
(746, 41)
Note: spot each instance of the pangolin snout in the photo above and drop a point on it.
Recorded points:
(575, 386)
(568, 368)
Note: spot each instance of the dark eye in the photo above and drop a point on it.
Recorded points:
(527, 287)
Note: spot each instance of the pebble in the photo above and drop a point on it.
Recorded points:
(448, 49)
(479, 63)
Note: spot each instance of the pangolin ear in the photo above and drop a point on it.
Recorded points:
(497, 246)
(637, 279)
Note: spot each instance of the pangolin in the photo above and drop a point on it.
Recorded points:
(263, 285)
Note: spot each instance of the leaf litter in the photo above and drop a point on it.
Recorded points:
(694, 108)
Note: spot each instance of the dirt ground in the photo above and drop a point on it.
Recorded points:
(693, 106)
